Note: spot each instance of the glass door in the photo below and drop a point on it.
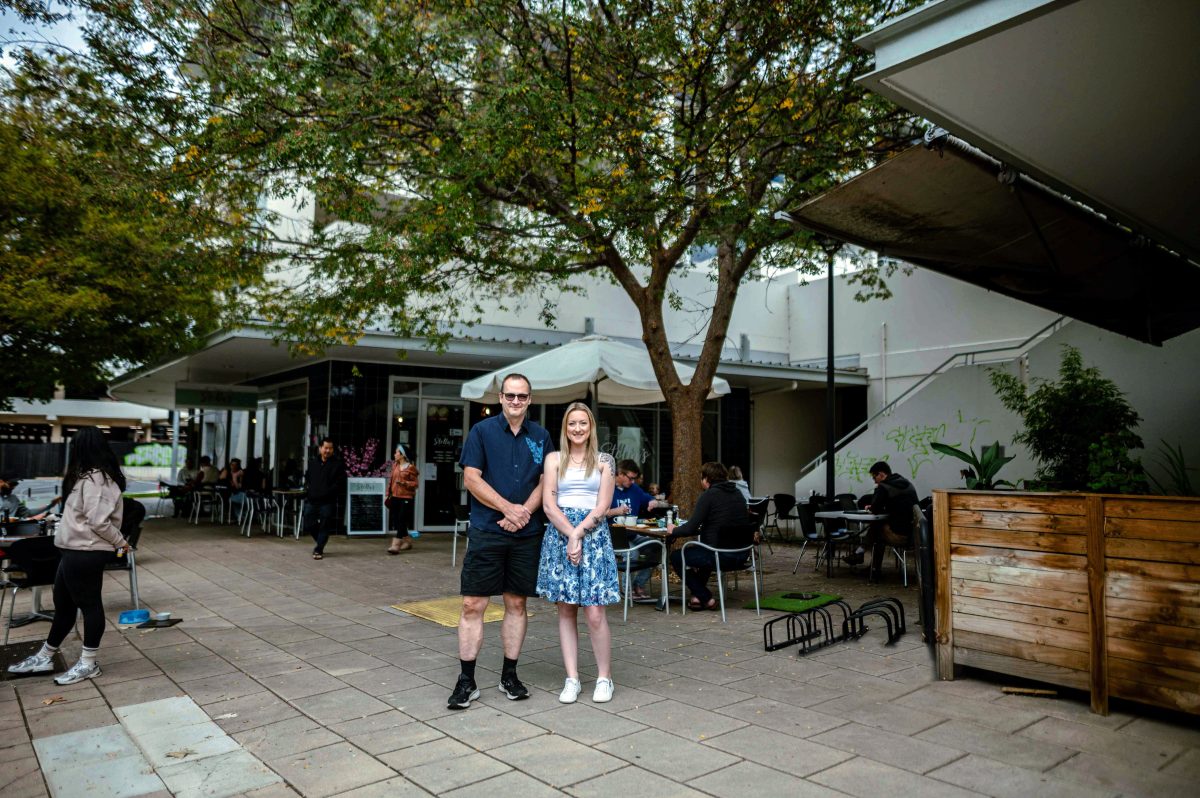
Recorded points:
(443, 430)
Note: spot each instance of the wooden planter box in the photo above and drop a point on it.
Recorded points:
(1091, 591)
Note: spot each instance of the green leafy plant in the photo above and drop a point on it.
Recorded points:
(1112, 470)
(1175, 470)
(1065, 418)
(983, 469)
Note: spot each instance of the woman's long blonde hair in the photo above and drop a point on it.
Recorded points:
(591, 458)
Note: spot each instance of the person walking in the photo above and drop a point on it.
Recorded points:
(87, 537)
(502, 462)
(324, 483)
(401, 490)
(578, 568)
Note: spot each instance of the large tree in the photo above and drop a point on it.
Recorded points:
(500, 147)
(105, 261)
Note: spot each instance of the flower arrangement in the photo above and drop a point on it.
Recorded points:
(361, 462)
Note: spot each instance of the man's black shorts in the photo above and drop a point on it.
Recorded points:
(497, 563)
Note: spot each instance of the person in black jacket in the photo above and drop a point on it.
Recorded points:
(719, 507)
(324, 484)
(896, 497)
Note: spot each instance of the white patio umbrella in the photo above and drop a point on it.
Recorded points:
(615, 373)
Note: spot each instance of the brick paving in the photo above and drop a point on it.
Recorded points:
(307, 680)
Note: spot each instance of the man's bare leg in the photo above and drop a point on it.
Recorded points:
(512, 628)
(470, 627)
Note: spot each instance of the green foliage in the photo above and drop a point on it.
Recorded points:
(1112, 470)
(1064, 419)
(105, 260)
(1178, 480)
(983, 469)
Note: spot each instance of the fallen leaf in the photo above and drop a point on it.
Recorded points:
(182, 753)
(58, 699)
(226, 716)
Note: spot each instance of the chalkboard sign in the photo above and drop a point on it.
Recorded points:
(365, 514)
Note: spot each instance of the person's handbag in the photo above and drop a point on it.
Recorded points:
(389, 502)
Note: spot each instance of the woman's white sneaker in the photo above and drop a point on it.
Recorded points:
(603, 692)
(570, 691)
(34, 663)
(78, 672)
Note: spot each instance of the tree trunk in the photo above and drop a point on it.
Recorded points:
(686, 409)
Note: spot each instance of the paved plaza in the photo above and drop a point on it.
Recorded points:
(291, 677)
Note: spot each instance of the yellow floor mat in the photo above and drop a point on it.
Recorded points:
(445, 611)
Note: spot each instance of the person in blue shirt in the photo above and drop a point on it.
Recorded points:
(630, 499)
(502, 462)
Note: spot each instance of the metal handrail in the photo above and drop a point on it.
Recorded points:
(969, 359)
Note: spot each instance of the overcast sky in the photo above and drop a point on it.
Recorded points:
(13, 32)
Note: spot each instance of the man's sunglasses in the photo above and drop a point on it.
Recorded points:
(515, 398)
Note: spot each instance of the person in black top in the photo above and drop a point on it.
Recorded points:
(896, 497)
(324, 484)
(720, 506)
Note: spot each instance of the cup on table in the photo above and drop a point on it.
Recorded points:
(162, 616)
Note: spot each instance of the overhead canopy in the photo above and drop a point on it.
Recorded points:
(1096, 98)
(621, 374)
(954, 210)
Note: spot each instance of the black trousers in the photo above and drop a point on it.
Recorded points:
(77, 587)
(401, 515)
(320, 521)
(700, 565)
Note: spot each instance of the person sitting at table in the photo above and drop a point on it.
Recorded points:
(207, 473)
(739, 482)
(720, 505)
(10, 505)
(253, 478)
(233, 476)
(629, 499)
(894, 497)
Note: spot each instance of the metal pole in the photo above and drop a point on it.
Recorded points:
(830, 403)
(175, 445)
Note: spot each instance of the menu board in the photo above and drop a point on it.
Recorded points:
(365, 513)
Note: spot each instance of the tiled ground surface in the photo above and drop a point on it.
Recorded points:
(298, 663)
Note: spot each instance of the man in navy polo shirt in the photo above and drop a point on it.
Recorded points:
(502, 468)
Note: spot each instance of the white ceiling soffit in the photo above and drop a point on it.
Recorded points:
(1098, 98)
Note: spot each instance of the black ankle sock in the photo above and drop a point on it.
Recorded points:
(510, 667)
(468, 668)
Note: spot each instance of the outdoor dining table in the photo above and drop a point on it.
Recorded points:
(288, 497)
(856, 517)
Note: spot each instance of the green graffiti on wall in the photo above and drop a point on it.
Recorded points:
(911, 444)
(149, 454)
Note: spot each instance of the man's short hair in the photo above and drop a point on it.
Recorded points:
(714, 472)
(629, 467)
(205, 460)
(881, 467)
(326, 440)
(516, 376)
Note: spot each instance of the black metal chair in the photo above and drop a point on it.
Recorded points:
(758, 510)
(133, 513)
(32, 562)
(785, 510)
(847, 501)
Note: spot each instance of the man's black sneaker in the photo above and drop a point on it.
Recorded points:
(856, 558)
(464, 693)
(512, 688)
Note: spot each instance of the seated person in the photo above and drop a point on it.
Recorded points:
(207, 473)
(720, 505)
(233, 477)
(629, 499)
(735, 476)
(253, 478)
(895, 497)
(10, 505)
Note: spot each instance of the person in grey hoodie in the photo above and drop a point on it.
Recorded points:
(87, 537)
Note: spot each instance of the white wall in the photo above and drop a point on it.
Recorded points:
(787, 432)
(959, 407)
(929, 317)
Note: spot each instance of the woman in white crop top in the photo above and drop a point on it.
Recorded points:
(577, 565)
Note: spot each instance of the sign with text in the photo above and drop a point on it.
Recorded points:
(365, 513)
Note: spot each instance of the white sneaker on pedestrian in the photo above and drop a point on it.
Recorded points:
(603, 692)
(570, 691)
(78, 672)
(34, 663)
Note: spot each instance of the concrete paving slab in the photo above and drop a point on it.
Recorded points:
(331, 770)
(285, 738)
(340, 705)
(676, 758)
(745, 777)
(1002, 780)
(217, 776)
(143, 720)
(557, 761)
(511, 783)
(448, 774)
(868, 778)
(632, 781)
(385, 732)
(683, 720)
(795, 756)
(398, 787)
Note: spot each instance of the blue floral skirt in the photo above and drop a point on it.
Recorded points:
(591, 583)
